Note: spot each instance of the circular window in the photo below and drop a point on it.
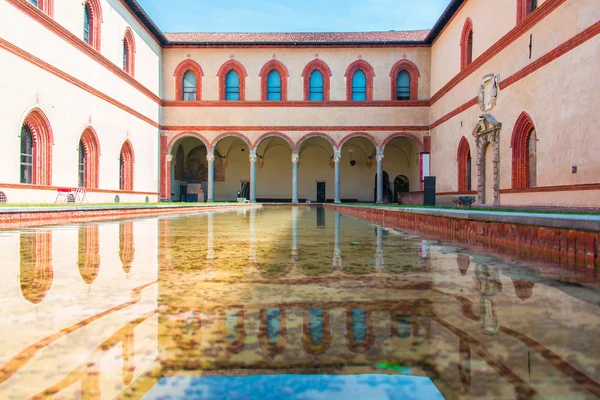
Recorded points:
(3, 197)
(117, 199)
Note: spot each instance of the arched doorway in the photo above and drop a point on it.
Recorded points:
(316, 170)
(357, 168)
(232, 168)
(401, 185)
(189, 170)
(274, 170)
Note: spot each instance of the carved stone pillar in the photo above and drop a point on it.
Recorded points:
(379, 177)
(295, 160)
(252, 176)
(337, 157)
(487, 131)
(210, 157)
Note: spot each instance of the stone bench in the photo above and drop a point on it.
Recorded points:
(464, 201)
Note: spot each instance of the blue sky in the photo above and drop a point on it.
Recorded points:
(293, 15)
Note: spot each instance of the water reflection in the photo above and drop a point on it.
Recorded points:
(256, 292)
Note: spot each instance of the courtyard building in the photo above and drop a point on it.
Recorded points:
(494, 101)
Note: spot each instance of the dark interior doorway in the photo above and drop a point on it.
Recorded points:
(321, 192)
(401, 185)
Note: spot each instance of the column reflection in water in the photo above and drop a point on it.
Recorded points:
(379, 263)
(337, 253)
(253, 236)
(294, 234)
(488, 284)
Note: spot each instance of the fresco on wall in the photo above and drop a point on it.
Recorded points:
(196, 166)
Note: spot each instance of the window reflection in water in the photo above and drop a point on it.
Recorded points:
(273, 325)
(316, 325)
(36, 273)
(359, 325)
(232, 318)
(403, 326)
(126, 247)
(88, 260)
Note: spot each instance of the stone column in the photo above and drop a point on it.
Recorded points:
(379, 177)
(253, 176)
(210, 157)
(295, 159)
(337, 252)
(337, 157)
(168, 160)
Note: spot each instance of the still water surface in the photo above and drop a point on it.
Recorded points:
(282, 303)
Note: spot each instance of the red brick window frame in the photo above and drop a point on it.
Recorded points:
(180, 71)
(463, 159)
(365, 67)
(126, 161)
(129, 52)
(413, 73)
(43, 140)
(520, 151)
(91, 158)
(325, 71)
(524, 8)
(232, 65)
(466, 44)
(95, 22)
(273, 65)
(47, 6)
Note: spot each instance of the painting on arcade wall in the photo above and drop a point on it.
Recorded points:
(194, 167)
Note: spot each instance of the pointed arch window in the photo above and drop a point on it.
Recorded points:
(188, 79)
(274, 86)
(359, 86)
(129, 52)
(316, 77)
(466, 44)
(524, 153)
(232, 81)
(524, 8)
(404, 81)
(126, 161)
(463, 159)
(88, 160)
(189, 86)
(232, 86)
(403, 86)
(26, 155)
(92, 19)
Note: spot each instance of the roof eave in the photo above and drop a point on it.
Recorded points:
(139, 12)
(444, 19)
(297, 44)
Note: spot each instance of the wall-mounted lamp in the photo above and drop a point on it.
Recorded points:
(352, 160)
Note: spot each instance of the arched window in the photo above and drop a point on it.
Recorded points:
(126, 161)
(188, 78)
(403, 86)
(232, 86)
(404, 81)
(524, 8)
(189, 86)
(524, 153)
(273, 81)
(274, 86)
(89, 158)
(129, 52)
(26, 155)
(47, 6)
(359, 86)
(463, 159)
(316, 86)
(359, 81)
(466, 44)
(232, 81)
(92, 19)
(36, 149)
(316, 77)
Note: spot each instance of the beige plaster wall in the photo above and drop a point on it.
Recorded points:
(70, 109)
(295, 59)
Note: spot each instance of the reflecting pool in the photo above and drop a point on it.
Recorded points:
(284, 302)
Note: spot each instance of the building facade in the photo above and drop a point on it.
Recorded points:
(493, 101)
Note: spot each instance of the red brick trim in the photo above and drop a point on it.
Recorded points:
(76, 82)
(91, 148)
(419, 142)
(221, 136)
(462, 158)
(315, 134)
(556, 188)
(174, 139)
(182, 68)
(297, 104)
(273, 65)
(427, 143)
(47, 6)
(95, 12)
(273, 134)
(79, 44)
(365, 67)
(222, 74)
(165, 169)
(520, 151)
(466, 44)
(43, 140)
(307, 72)
(455, 193)
(413, 72)
(365, 135)
(127, 159)
(292, 128)
(129, 44)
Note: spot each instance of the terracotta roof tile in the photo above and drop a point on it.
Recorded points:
(297, 38)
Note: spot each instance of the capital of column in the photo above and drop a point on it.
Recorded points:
(210, 157)
(295, 158)
(337, 156)
(169, 158)
(379, 156)
(253, 156)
